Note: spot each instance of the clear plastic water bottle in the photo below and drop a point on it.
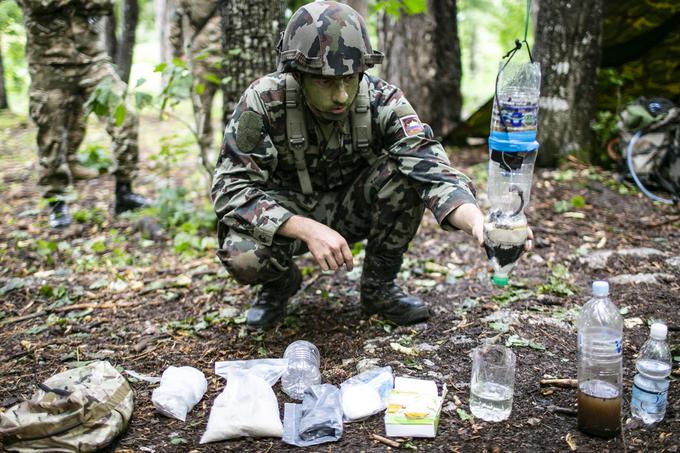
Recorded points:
(600, 373)
(512, 154)
(302, 369)
(650, 385)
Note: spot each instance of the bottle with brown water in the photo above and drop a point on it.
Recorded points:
(600, 374)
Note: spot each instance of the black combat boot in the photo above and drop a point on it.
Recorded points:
(59, 216)
(127, 200)
(269, 306)
(380, 294)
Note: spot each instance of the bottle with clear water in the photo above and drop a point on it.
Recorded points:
(650, 385)
(302, 369)
(512, 154)
(600, 357)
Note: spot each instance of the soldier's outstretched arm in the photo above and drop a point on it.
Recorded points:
(421, 159)
(247, 159)
(100, 7)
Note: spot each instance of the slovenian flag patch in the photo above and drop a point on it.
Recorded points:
(411, 125)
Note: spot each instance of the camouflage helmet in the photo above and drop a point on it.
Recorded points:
(326, 38)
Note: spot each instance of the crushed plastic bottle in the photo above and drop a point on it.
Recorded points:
(302, 370)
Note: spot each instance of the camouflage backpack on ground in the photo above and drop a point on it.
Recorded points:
(650, 130)
(79, 410)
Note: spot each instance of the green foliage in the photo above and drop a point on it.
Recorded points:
(605, 124)
(97, 157)
(559, 282)
(576, 202)
(511, 295)
(13, 60)
(395, 8)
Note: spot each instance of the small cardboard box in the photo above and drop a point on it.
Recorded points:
(413, 408)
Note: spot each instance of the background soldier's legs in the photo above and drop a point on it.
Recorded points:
(124, 137)
(50, 107)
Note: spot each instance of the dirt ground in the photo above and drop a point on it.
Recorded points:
(150, 311)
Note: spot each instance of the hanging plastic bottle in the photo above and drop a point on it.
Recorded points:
(512, 154)
(600, 373)
(650, 385)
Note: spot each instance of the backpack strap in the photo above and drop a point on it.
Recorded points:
(361, 121)
(296, 132)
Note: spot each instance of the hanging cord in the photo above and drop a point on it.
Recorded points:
(631, 168)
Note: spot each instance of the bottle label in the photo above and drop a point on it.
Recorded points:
(600, 344)
(648, 401)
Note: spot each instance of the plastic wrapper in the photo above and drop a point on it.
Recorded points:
(181, 388)
(366, 394)
(317, 420)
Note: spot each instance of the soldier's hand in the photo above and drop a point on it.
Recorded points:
(470, 219)
(529, 244)
(326, 245)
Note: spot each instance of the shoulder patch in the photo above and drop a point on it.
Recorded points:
(410, 123)
(249, 131)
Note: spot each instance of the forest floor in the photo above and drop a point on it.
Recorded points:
(102, 289)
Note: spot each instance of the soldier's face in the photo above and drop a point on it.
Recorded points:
(330, 97)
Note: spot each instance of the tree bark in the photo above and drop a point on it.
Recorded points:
(164, 9)
(569, 47)
(251, 32)
(422, 57)
(4, 105)
(127, 38)
(110, 38)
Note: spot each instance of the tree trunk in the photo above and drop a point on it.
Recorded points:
(110, 38)
(569, 47)
(127, 38)
(251, 31)
(360, 6)
(422, 57)
(4, 105)
(164, 9)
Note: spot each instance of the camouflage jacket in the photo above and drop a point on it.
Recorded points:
(62, 32)
(250, 171)
(190, 17)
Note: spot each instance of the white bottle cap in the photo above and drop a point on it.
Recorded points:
(658, 331)
(600, 288)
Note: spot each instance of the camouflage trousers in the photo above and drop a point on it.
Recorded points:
(381, 205)
(57, 96)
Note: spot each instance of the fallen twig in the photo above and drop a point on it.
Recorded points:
(563, 383)
(144, 343)
(83, 306)
(562, 410)
(386, 441)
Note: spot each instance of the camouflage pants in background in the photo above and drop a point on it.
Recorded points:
(57, 96)
(381, 205)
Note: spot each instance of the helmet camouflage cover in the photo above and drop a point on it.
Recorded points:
(326, 38)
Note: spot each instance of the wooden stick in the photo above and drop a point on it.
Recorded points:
(563, 383)
(562, 410)
(386, 441)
